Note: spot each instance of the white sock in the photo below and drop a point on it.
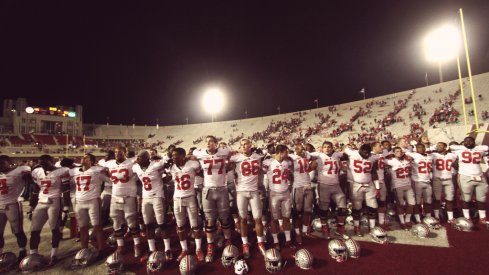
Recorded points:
(408, 218)
(297, 231)
(260, 239)
(401, 219)
(244, 239)
(33, 251)
(264, 223)
(428, 214)
(275, 237)
(418, 218)
(141, 226)
(287, 235)
(198, 243)
(152, 245)
(466, 213)
(437, 213)
(482, 214)
(183, 244)
(371, 223)
(236, 220)
(450, 215)
(20, 249)
(305, 228)
(281, 222)
(356, 223)
(120, 242)
(53, 251)
(210, 240)
(136, 240)
(167, 244)
(381, 218)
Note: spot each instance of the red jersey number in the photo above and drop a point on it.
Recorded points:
(362, 167)
(471, 157)
(211, 163)
(250, 168)
(85, 181)
(183, 182)
(279, 176)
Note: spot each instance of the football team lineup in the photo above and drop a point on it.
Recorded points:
(271, 202)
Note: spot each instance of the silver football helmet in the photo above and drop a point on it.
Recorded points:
(240, 267)
(187, 265)
(349, 220)
(463, 224)
(420, 230)
(229, 255)
(273, 260)
(112, 241)
(32, 263)
(391, 212)
(114, 263)
(84, 257)
(316, 225)
(379, 235)
(304, 259)
(353, 248)
(337, 250)
(431, 222)
(7, 261)
(155, 262)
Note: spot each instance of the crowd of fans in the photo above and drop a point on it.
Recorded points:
(446, 112)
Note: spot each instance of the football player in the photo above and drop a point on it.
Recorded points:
(421, 176)
(51, 184)
(377, 149)
(277, 169)
(442, 179)
(302, 192)
(184, 201)
(248, 195)
(364, 184)
(215, 198)
(123, 205)
(107, 191)
(401, 183)
(12, 183)
(328, 168)
(153, 203)
(470, 176)
(88, 181)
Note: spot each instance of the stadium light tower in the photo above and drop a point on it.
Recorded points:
(213, 100)
(442, 45)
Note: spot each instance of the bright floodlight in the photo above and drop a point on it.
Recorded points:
(213, 100)
(442, 44)
(29, 110)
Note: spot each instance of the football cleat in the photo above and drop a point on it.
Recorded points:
(182, 254)
(209, 257)
(246, 251)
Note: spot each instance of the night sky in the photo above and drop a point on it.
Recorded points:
(148, 61)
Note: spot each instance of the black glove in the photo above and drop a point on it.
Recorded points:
(29, 214)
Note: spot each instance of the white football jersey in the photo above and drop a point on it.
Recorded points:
(122, 177)
(443, 165)
(422, 166)
(88, 183)
(184, 178)
(469, 160)
(381, 167)
(328, 169)
(400, 170)
(360, 169)
(151, 178)
(300, 167)
(50, 182)
(12, 184)
(214, 166)
(277, 174)
(199, 181)
(248, 171)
